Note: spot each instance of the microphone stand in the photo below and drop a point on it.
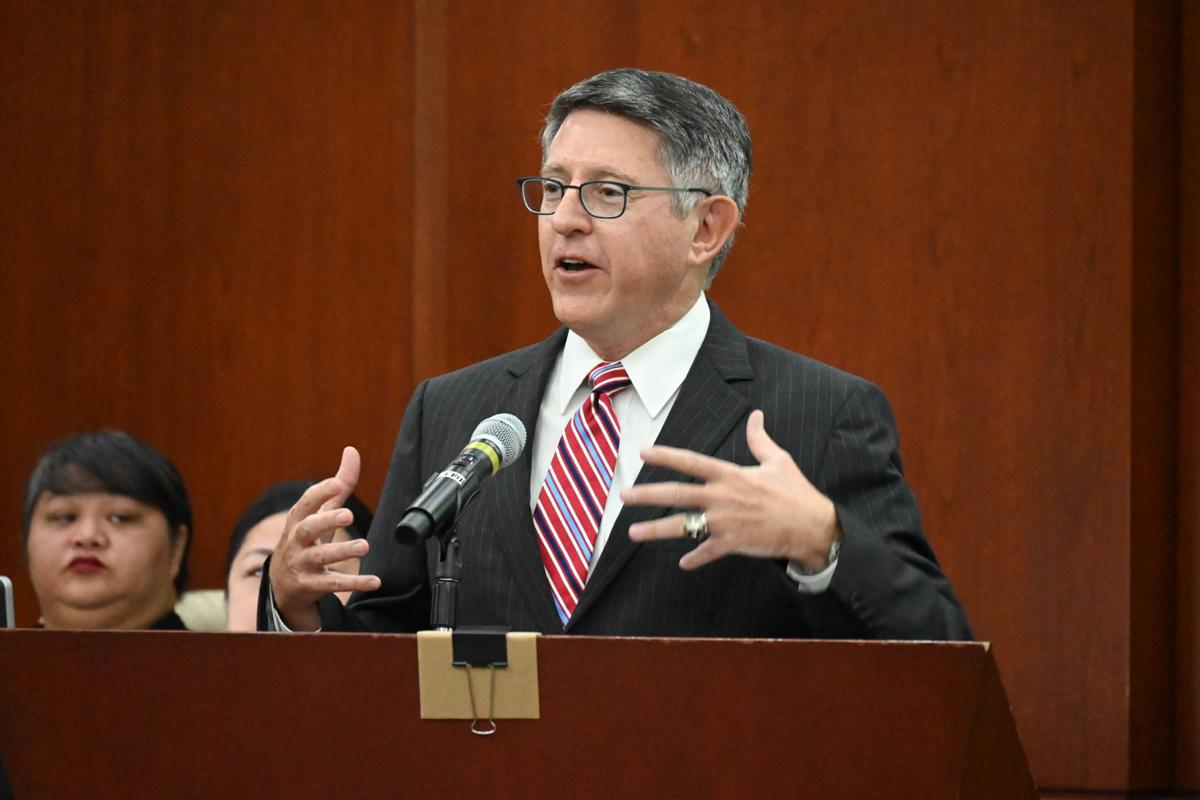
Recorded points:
(445, 587)
(448, 573)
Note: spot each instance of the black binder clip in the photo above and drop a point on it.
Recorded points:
(481, 647)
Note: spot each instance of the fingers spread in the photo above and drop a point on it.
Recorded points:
(762, 446)
(672, 528)
(326, 582)
(318, 557)
(350, 467)
(666, 528)
(669, 493)
(321, 525)
(299, 571)
(767, 510)
(709, 551)
(689, 463)
(324, 496)
(347, 475)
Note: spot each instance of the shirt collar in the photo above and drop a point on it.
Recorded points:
(657, 368)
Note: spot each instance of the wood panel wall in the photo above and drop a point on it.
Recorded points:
(206, 239)
(245, 231)
(1188, 603)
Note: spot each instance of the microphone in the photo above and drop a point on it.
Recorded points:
(496, 443)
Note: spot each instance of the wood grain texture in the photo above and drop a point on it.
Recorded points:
(1154, 390)
(430, 117)
(921, 697)
(512, 60)
(203, 242)
(946, 210)
(245, 231)
(1188, 563)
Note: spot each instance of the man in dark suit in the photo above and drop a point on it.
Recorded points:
(682, 479)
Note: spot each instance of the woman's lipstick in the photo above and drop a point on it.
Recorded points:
(86, 564)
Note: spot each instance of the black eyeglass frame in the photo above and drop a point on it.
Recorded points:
(626, 188)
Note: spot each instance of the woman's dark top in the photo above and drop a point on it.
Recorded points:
(168, 622)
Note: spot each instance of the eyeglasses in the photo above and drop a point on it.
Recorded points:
(601, 199)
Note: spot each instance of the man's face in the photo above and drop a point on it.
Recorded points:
(616, 282)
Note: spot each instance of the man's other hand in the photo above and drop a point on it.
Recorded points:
(770, 510)
(299, 568)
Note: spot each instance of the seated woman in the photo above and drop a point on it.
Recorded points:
(254, 538)
(107, 529)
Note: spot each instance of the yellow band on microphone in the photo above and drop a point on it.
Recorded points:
(489, 451)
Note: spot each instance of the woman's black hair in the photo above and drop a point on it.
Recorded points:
(114, 462)
(281, 497)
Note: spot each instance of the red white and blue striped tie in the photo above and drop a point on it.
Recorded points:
(569, 507)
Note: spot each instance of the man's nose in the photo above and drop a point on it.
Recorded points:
(570, 215)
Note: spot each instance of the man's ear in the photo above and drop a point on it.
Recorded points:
(719, 218)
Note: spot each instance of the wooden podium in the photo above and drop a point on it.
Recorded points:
(177, 714)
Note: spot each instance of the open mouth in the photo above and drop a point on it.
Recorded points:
(573, 265)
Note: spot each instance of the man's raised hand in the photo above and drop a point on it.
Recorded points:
(299, 568)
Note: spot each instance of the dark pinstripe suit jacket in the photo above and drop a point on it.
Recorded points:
(838, 428)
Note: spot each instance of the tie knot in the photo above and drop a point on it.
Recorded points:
(608, 378)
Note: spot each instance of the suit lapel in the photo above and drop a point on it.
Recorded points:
(707, 410)
(508, 504)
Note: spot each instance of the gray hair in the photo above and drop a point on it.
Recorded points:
(705, 141)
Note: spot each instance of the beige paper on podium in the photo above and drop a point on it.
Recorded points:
(444, 690)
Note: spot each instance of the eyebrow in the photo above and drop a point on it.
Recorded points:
(52, 499)
(605, 173)
(120, 502)
(261, 551)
